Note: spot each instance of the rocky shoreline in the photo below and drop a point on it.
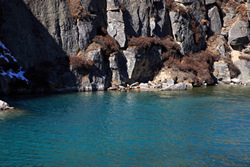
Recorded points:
(96, 45)
(5, 106)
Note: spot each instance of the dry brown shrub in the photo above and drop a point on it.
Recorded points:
(79, 63)
(169, 46)
(122, 6)
(170, 5)
(242, 11)
(196, 30)
(108, 44)
(234, 70)
(76, 10)
(247, 58)
(205, 22)
(199, 64)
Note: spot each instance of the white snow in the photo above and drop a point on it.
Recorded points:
(11, 74)
(2, 45)
(1, 56)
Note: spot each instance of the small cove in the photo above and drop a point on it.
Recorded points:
(199, 127)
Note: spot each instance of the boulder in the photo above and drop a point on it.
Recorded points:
(144, 86)
(169, 82)
(179, 86)
(208, 2)
(221, 72)
(244, 67)
(5, 106)
(214, 19)
(239, 35)
(141, 64)
(116, 26)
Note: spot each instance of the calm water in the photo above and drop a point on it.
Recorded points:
(199, 127)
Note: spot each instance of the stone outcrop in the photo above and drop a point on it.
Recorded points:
(42, 36)
(239, 35)
(5, 106)
(221, 72)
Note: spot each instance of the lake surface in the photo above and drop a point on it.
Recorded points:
(198, 127)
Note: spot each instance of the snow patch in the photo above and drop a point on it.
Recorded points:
(11, 74)
(1, 56)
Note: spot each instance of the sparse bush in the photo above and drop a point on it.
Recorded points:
(234, 70)
(242, 11)
(199, 64)
(170, 5)
(80, 63)
(76, 10)
(196, 30)
(122, 6)
(247, 58)
(169, 46)
(108, 44)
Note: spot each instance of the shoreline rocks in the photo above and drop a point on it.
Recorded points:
(5, 106)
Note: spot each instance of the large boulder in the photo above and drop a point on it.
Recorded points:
(214, 19)
(239, 35)
(116, 26)
(4, 106)
(221, 72)
(142, 64)
(244, 67)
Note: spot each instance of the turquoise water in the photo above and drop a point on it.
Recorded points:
(199, 127)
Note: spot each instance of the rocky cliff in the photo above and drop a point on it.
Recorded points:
(85, 45)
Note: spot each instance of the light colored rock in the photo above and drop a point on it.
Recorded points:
(116, 26)
(5, 106)
(244, 67)
(140, 64)
(235, 80)
(221, 72)
(189, 86)
(112, 5)
(239, 35)
(208, 2)
(214, 19)
(169, 82)
(144, 86)
(179, 86)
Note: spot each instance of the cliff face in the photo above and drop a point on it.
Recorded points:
(125, 41)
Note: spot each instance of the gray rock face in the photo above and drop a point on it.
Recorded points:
(179, 86)
(142, 64)
(214, 19)
(208, 2)
(4, 106)
(239, 35)
(116, 26)
(221, 72)
(182, 33)
(244, 67)
(140, 14)
(169, 82)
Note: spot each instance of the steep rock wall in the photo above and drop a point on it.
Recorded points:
(42, 35)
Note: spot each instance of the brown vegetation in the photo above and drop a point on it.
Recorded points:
(196, 30)
(78, 62)
(247, 58)
(108, 44)
(234, 70)
(122, 6)
(199, 64)
(169, 46)
(242, 11)
(170, 5)
(76, 10)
